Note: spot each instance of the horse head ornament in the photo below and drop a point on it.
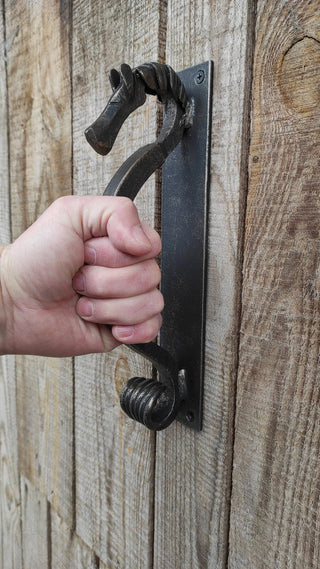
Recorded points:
(130, 87)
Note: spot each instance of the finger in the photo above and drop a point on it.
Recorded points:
(121, 311)
(144, 332)
(124, 282)
(102, 251)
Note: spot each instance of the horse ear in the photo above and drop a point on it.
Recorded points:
(114, 78)
(127, 76)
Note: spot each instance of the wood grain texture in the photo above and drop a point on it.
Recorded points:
(275, 503)
(35, 523)
(5, 226)
(114, 456)
(193, 470)
(37, 35)
(67, 549)
(10, 533)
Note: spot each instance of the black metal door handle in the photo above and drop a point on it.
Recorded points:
(157, 403)
(154, 404)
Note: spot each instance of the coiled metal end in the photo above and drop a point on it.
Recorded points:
(148, 402)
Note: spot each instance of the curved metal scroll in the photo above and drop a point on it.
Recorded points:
(154, 404)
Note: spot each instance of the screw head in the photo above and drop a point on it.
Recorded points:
(200, 76)
(190, 416)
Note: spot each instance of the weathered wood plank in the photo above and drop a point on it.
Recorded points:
(275, 504)
(193, 470)
(35, 523)
(114, 456)
(40, 169)
(67, 549)
(5, 229)
(10, 533)
(48, 542)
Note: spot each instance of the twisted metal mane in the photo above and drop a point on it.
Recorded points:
(161, 80)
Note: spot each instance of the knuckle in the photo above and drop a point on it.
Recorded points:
(125, 203)
(150, 329)
(150, 274)
(157, 273)
(157, 244)
(61, 203)
(149, 306)
(157, 301)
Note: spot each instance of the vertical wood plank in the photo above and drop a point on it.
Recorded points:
(35, 521)
(114, 456)
(67, 549)
(193, 469)
(40, 168)
(275, 503)
(5, 228)
(10, 533)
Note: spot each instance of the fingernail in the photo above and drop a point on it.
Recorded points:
(78, 282)
(85, 308)
(124, 332)
(140, 236)
(89, 255)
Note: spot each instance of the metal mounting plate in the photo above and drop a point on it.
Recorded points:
(185, 181)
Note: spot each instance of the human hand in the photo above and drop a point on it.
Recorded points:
(87, 262)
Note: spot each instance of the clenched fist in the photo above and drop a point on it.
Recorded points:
(81, 279)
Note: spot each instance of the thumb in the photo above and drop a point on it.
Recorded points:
(101, 216)
(125, 230)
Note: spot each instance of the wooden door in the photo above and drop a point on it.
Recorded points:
(82, 486)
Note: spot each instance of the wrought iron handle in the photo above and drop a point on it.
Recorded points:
(153, 403)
